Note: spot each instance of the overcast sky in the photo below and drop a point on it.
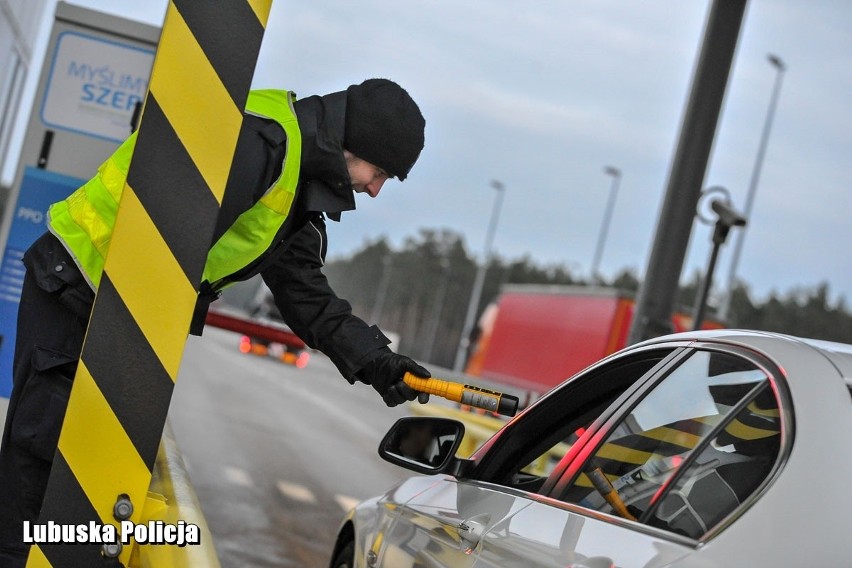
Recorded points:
(541, 95)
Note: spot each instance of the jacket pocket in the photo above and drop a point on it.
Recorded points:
(41, 408)
(54, 271)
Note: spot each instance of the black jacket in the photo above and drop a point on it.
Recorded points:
(292, 267)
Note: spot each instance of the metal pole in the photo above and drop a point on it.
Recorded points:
(704, 291)
(434, 324)
(382, 290)
(478, 282)
(752, 187)
(655, 303)
(613, 190)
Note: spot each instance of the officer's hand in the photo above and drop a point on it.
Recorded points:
(385, 374)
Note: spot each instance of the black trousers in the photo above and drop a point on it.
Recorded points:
(48, 344)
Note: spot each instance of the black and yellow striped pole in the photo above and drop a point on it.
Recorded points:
(135, 340)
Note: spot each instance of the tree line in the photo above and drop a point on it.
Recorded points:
(421, 292)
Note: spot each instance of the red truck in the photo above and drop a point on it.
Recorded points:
(262, 336)
(535, 337)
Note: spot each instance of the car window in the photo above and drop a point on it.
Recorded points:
(725, 473)
(527, 450)
(713, 416)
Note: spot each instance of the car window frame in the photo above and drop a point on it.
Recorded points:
(612, 415)
(481, 467)
(777, 382)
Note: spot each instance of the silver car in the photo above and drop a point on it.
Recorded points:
(708, 449)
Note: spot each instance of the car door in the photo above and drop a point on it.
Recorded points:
(546, 534)
(444, 525)
(671, 463)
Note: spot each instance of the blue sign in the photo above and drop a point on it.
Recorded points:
(39, 189)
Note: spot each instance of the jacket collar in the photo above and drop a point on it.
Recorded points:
(325, 185)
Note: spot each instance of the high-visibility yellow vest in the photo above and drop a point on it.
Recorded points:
(84, 221)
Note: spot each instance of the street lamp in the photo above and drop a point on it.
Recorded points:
(464, 341)
(613, 190)
(776, 62)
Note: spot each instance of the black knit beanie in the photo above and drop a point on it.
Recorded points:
(383, 126)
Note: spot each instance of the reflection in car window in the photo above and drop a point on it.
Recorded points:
(544, 464)
(726, 471)
(528, 450)
(628, 470)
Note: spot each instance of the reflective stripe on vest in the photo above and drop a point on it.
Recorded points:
(84, 221)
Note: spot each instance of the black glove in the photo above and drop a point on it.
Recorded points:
(385, 374)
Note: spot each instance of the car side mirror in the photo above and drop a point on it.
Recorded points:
(424, 444)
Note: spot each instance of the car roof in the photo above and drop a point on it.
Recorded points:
(838, 354)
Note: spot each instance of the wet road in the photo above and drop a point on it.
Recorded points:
(276, 454)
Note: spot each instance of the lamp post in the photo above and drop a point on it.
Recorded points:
(479, 280)
(779, 66)
(382, 289)
(440, 295)
(613, 190)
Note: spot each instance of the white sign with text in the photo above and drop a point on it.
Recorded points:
(94, 85)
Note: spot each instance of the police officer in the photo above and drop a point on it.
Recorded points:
(297, 163)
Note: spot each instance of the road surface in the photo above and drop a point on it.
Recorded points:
(277, 455)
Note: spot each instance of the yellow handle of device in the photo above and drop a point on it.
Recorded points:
(485, 399)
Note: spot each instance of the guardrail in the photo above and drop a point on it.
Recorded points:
(171, 498)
